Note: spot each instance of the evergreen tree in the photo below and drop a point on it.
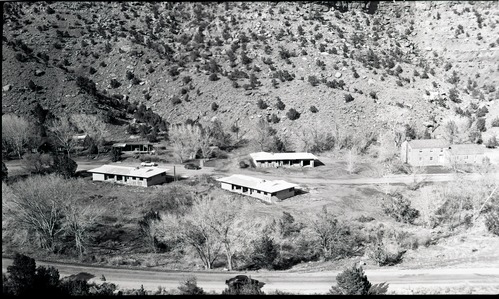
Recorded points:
(265, 252)
(64, 166)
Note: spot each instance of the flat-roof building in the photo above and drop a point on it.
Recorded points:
(133, 176)
(259, 188)
(265, 159)
(136, 147)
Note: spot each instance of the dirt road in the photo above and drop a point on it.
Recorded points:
(15, 165)
(302, 283)
(300, 179)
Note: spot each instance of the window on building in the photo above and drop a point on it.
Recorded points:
(466, 157)
(420, 151)
(140, 179)
(420, 158)
(258, 191)
(441, 150)
(264, 193)
(431, 158)
(431, 151)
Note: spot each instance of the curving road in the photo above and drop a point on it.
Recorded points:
(299, 283)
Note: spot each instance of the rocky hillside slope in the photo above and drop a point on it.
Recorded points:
(408, 62)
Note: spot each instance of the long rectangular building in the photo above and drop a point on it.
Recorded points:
(265, 159)
(432, 152)
(133, 176)
(265, 190)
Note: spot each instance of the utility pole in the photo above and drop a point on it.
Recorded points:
(174, 175)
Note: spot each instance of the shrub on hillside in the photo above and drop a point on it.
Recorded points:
(313, 80)
(400, 209)
(492, 220)
(274, 118)
(380, 254)
(243, 164)
(175, 100)
(373, 95)
(213, 77)
(292, 114)
(492, 142)
(495, 122)
(214, 106)
(480, 124)
(313, 109)
(261, 104)
(482, 112)
(280, 105)
(447, 66)
(115, 83)
(348, 98)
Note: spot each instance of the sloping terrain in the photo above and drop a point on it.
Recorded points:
(179, 58)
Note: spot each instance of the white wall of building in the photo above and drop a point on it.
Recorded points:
(266, 196)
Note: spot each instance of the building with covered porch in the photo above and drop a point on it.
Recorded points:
(132, 176)
(135, 147)
(269, 191)
(265, 159)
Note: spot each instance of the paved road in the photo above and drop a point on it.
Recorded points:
(302, 283)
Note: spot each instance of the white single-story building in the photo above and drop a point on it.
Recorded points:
(262, 189)
(265, 159)
(133, 176)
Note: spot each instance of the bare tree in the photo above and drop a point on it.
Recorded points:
(387, 146)
(17, 132)
(184, 140)
(36, 162)
(204, 142)
(92, 126)
(47, 206)
(77, 222)
(332, 236)
(193, 230)
(222, 214)
(351, 159)
(63, 133)
(37, 206)
(264, 134)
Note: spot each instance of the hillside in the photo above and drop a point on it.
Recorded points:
(399, 63)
